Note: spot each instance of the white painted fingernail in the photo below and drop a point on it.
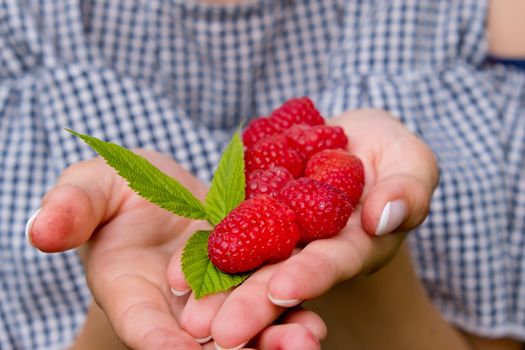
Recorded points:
(393, 214)
(218, 347)
(29, 224)
(284, 302)
(203, 340)
(179, 293)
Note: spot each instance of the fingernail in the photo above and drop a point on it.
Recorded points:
(284, 302)
(29, 224)
(392, 215)
(218, 347)
(203, 340)
(179, 293)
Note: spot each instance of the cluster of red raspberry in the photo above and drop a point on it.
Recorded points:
(301, 185)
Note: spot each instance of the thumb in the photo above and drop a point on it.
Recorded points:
(396, 203)
(83, 197)
(400, 196)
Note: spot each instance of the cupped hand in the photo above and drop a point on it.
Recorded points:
(127, 244)
(401, 174)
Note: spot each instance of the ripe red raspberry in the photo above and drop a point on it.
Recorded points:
(339, 169)
(328, 157)
(296, 111)
(266, 182)
(321, 209)
(260, 230)
(309, 140)
(271, 152)
(257, 130)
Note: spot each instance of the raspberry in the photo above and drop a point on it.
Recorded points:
(296, 111)
(266, 182)
(328, 157)
(271, 152)
(257, 130)
(260, 230)
(321, 209)
(309, 140)
(339, 169)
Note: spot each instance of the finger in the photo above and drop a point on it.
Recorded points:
(397, 202)
(297, 329)
(400, 170)
(175, 277)
(288, 337)
(324, 263)
(245, 312)
(89, 193)
(399, 196)
(308, 319)
(174, 274)
(74, 207)
(197, 316)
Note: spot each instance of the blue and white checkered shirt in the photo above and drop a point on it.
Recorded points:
(177, 76)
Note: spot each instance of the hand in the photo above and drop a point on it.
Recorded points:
(401, 174)
(127, 243)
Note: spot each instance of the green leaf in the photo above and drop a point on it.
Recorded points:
(148, 181)
(227, 187)
(202, 276)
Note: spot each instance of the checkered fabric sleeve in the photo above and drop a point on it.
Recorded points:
(431, 72)
(178, 76)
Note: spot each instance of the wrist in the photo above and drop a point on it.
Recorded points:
(97, 332)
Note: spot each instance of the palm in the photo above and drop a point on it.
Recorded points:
(126, 262)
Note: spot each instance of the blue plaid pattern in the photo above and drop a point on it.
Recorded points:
(177, 76)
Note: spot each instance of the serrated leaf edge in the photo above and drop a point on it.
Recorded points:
(227, 188)
(194, 209)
